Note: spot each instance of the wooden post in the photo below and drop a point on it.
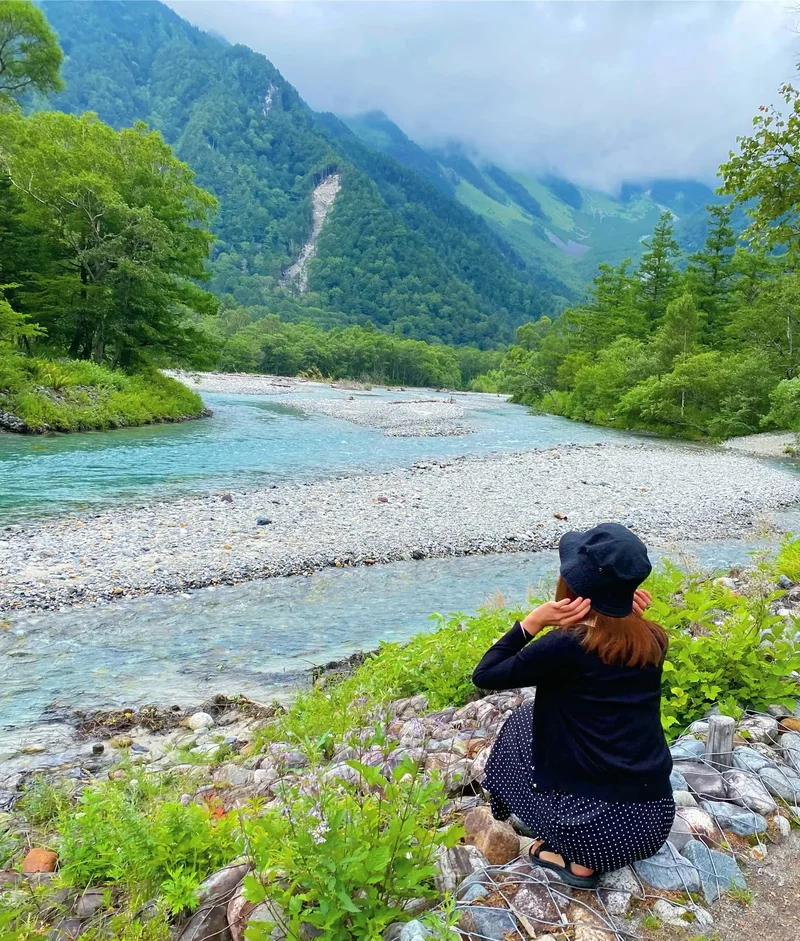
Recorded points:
(719, 744)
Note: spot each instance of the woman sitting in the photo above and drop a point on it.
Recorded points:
(586, 767)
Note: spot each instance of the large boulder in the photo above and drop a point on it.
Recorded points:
(221, 885)
(702, 779)
(790, 745)
(748, 759)
(241, 912)
(89, 902)
(233, 775)
(488, 924)
(537, 905)
(747, 790)
(731, 817)
(454, 771)
(684, 799)
(702, 826)
(200, 720)
(680, 833)
(589, 925)
(455, 864)
(678, 781)
(668, 870)
(209, 923)
(237, 913)
(688, 749)
(718, 871)
(40, 860)
(783, 782)
(269, 913)
(617, 889)
(763, 729)
(682, 916)
(497, 841)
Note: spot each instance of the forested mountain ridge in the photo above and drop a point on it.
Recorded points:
(561, 230)
(394, 250)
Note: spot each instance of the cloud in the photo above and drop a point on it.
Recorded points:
(602, 92)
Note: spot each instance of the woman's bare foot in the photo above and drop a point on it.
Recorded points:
(574, 868)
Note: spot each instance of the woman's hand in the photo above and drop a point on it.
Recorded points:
(641, 601)
(564, 613)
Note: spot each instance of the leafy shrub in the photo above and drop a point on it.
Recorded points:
(118, 837)
(787, 561)
(8, 847)
(54, 375)
(13, 375)
(710, 395)
(785, 406)
(716, 655)
(343, 858)
(43, 802)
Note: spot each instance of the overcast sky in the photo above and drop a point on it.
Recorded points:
(602, 92)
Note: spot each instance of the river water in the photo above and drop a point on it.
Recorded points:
(251, 441)
(258, 638)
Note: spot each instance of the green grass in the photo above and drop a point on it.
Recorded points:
(66, 395)
(524, 234)
(437, 664)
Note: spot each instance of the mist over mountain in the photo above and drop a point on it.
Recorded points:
(552, 223)
(598, 92)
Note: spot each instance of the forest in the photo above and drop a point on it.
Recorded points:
(704, 346)
(253, 340)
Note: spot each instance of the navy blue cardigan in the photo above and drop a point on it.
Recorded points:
(596, 728)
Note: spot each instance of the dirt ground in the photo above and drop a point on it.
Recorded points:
(773, 914)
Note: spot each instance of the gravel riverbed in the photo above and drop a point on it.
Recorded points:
(423, 417)
(769, 444)
(410, 413)
(495, 503)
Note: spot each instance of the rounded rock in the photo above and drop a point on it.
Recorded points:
(200, 720)
(40, 859)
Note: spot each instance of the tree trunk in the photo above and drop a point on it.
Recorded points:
(99, 344)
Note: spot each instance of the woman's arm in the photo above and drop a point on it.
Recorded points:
(511, 662)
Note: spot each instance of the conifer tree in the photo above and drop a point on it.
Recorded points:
(657, 273)
(711, 273)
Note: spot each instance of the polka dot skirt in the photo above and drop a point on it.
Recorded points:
(600, 835)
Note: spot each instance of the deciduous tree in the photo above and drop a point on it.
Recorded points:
(30, 56)
(129, 227)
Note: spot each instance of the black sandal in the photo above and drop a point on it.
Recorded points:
(565, 872)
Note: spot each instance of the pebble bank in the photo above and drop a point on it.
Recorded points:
(463, 506)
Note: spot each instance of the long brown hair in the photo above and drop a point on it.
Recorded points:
(631, 641)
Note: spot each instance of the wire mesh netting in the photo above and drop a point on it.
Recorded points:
(519, 900)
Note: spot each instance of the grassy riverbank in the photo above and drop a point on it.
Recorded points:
(40, 395)
(317, 813)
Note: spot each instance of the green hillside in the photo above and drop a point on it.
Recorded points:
(558, 228)
(395, 250)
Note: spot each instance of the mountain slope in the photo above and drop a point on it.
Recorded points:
(394, 249)
(560, 229)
